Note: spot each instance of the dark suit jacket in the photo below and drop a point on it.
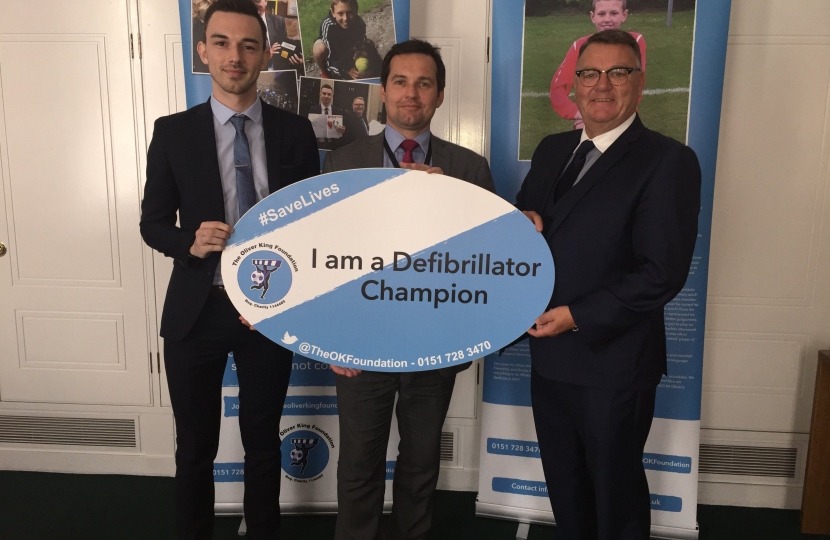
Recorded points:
(318, 109)
(622, 240)
(355, 128)
(183, 177)
(454, 160)
(277, 32)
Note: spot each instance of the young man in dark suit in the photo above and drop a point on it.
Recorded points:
(618, 206)
(208, 166)
(412, 88)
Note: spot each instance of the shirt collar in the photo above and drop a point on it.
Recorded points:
(224, 113)
(394, 138)
(323, 107)
(602, 142)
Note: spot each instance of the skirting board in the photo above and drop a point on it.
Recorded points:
(457, 479)
(79, 462)
(752, 495)
(327, 508)
(524, 515)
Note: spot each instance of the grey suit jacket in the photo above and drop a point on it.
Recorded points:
(454, 160)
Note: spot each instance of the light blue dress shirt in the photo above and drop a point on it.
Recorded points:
(394, 139)
(225, 133)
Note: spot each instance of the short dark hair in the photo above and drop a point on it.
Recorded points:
(243, 7)
(613, 37)
(352, 3)
(594, 5)
(415, 46)
(326, 86)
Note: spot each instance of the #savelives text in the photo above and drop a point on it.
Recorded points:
(437, 262)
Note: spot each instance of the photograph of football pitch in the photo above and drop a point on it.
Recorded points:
(665, 103)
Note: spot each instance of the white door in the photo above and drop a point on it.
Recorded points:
(164, 94)
(460, 29)
(73, 316)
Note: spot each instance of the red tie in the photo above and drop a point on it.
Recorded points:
(408, 146)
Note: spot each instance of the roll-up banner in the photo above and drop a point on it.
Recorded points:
(684, 50)
(309, 425)
(310, 444)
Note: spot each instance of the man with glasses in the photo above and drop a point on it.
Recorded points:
(618, 205)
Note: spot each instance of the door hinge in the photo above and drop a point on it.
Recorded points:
(133, 47)
(488, 49)
(151, 363)
(158, 361)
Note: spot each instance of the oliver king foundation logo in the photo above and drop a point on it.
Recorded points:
(305, 452)
(265, 276)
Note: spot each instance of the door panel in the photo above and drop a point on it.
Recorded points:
(73, 320)
(164, 94)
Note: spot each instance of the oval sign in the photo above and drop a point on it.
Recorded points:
(388, 270)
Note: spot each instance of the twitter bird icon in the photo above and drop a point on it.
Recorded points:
(288, 339)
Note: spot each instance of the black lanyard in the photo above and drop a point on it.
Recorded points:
(391, 154)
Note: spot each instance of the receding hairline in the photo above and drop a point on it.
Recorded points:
(434, 76)
(634, 49)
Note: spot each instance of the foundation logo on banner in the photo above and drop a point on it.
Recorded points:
(305, 452)
(269, 279)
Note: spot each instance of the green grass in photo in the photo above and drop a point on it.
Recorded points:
(312, 13)
(668, 65)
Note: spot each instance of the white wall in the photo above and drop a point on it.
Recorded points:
(768, 309)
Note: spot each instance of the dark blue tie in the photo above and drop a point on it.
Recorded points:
(568, 178)
(245, 191)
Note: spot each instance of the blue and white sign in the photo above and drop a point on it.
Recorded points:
(388, 270)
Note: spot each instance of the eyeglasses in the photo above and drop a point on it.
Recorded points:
(616, 76)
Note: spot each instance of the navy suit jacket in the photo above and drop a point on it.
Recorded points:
(183, 178)
(318, 109)
(622, 241)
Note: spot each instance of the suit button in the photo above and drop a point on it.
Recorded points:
(209, 273)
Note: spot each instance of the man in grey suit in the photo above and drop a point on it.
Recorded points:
(412, 88)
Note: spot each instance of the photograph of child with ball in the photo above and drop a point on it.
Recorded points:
(347, 39)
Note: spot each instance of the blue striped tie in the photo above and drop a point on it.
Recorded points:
(245, 191)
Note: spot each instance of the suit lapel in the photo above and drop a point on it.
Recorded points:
(374, 157)
(273, 143)
(557, 165)
(205, 141)
(441, 156)
(615, 152)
